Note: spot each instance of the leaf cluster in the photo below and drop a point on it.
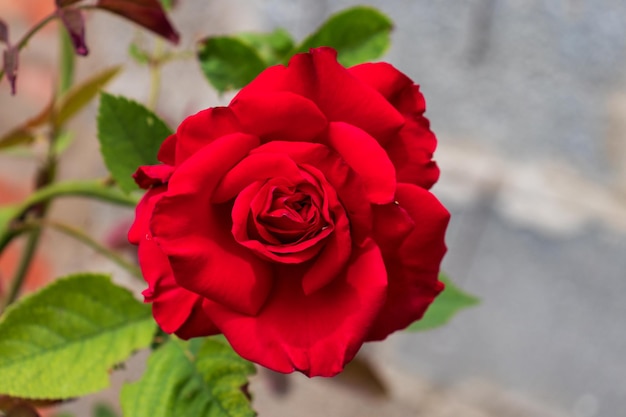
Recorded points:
(358, 34)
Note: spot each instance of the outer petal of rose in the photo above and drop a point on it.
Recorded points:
(150, 175)
(348, 185)
(319, 77)
(316, 334)
(167, 151)
(383, 77)
(195, 234)
(392, 224)
(367, 158)
(413, 268)
(203, 128)
(173, 307)
(396, 87)
(411, 153)
(279, 116)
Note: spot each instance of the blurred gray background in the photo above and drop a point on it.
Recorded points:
(528, 99)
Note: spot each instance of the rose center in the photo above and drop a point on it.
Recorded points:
(291, 214)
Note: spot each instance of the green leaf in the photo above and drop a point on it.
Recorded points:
(80, 95)
(130, 135)
(103, 410)
(24, 134)
(62, 142)
(228, 63)
(179, 383)
(359, 34)
(17, 137)
(445, 306)
(138, 54)
(167, 4)
(272, 47)
(62, 341)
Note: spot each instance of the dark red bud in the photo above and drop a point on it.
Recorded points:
(63, 3)
(9, 64)
(74, 22)
(4, 32)
(146, 13)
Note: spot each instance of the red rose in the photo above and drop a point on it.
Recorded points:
(296, 221)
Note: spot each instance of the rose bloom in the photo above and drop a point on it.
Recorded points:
(297, 221)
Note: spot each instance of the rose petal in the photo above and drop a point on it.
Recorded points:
(288, 254)
(174, 308)
(410, 102)
(150, 175)
(382, 77)
(167, 151)
(367, 158)
(202, 128)
(253, 168)
(279, 116)
(413, 268)
(316, 334)
(340, 176)
(411, 153)
(195, 234)
(338, 247)
(319, 77)
(392, 224)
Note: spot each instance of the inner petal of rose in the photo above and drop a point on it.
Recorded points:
(282, 221)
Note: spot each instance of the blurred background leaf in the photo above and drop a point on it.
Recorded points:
(450, 302)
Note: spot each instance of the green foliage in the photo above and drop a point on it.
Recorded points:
(7, 214)
(138, 54)
(23, 134)
(61, 112)
(103, 410)
(63, 341)
(62, 142)
(99, 410)
(272, 47)
(228, 63)
(180, 382)
(445, 306)
(79, 96)
(16, 137)
(358, 34)
(130, 135)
